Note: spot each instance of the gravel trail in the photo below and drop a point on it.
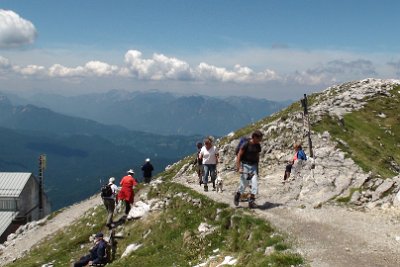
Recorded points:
(327, 236)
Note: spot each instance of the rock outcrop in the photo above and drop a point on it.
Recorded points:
(330, 175)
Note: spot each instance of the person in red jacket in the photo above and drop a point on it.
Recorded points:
(126, 194)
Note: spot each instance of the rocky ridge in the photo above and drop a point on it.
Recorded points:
(327, 233)
(334, 175)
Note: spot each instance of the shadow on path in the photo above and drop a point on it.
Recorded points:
(121, 221)
(268, 205)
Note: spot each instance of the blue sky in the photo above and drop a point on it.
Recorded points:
(273, 49)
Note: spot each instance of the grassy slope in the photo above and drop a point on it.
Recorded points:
(371, 141)
(173, 240)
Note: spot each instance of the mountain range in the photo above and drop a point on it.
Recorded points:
(159, 112)
(82, 151)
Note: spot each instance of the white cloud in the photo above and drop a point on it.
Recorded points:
(239, 74)
(5, 67)
(99, 69)
(208, 72)
(91, 68)
(159, 67)
(30, 70)
(58, 70)
(4, 63)
(308, 78)
(279, 70)
(14, 30)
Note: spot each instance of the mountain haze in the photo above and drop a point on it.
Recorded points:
(159, 112)
(76, 147)
(80, 152)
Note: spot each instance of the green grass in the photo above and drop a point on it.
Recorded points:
(65, 244)
(372, 142)
(347, 198)
(173, 238)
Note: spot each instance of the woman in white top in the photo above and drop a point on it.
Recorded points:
(209, 156)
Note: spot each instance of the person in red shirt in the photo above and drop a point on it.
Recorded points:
(126, 194)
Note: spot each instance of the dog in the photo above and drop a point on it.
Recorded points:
(219, 183)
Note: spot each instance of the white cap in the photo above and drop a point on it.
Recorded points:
(111, 180)
(147, 160)
(130, 171)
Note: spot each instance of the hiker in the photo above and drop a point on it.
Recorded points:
(298, 155)
(110, 201)
(147, 168)
(97, 254)
(247, 165)
(199, 163)
(126, 193)
(209, 156)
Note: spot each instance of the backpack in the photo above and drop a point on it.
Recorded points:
(301, 155)
(242, 141)
(108, 257)
(106, 191)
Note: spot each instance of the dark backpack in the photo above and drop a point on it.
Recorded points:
(106, 191)
(108, 253)
(242, 142)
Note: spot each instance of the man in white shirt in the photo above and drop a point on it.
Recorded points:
(209, 156)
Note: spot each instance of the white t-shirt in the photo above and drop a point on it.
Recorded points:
(114, 189)
(209, 156)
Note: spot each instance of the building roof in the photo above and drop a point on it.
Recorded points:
(12, 183)
(6, 218)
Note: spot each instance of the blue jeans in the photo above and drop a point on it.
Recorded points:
(253, 181)
(209, 169)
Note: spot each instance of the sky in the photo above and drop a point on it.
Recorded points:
(274, 49)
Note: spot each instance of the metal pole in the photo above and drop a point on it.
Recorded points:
(40, 187)
(306, 115)
(42, 166)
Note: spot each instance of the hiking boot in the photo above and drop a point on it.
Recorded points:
(200, 182)
(252, 202)
(205, 188)
(213, 188)
(236, 199)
